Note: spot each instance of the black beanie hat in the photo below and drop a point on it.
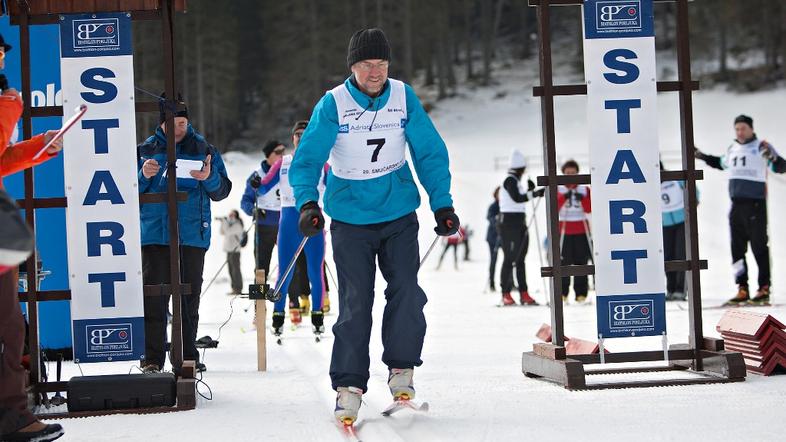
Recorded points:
(744, 119)
(368, 44)
(178, 113)
(270, 146)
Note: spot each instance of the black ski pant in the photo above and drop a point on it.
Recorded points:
(514, 242)
(748, 222)
(155, 270)
(674, 250)
(575, 251)
(263, 247)
(356, 250)
(493, 249)
(299, 286)
(235, 276)
(14, 414)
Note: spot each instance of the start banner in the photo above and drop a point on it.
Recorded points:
(102, 219)
(619, 66)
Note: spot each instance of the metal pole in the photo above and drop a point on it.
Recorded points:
(167, 34)
(689, 165)
(550, 168)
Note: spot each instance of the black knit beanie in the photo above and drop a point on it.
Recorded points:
(744, 119)
(178, 113)
(368, 44)
(270, 146)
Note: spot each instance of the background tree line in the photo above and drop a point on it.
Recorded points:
(249, 68)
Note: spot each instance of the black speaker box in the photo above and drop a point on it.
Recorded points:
(114, 392)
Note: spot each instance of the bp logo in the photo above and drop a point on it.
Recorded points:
(613, 16)
(94, 34)
(631, 314)
(109, 338)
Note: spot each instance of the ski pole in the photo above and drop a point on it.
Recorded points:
(280, 283)
(428, 252)
(537, 240)
(330, 272)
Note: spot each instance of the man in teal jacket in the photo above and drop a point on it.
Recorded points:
(363, 127)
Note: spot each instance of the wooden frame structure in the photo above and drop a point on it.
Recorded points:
(25, 14)
(703, 356)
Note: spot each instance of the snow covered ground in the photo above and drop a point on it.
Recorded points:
(472, 371)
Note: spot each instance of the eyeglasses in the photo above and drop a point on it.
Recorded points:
(366, 66)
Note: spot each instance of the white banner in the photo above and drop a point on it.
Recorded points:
(619, 66)
(102, 218)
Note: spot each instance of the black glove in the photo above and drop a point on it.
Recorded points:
(530, 185)
(260, 213)
(255, 181)
(539, 193)
(311, 220)
(766, 151)
(699, 154)
(447, 221)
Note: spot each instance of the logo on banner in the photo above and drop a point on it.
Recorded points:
(343, 129)
(631, 314)
(613, 15)
(109, 338)
(96, 34)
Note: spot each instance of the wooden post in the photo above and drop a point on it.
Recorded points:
(260, 314)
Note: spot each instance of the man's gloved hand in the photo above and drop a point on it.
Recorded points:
(539, 193)
(766, 150)
(255, 181)
(447, 221)
(260, 213)
(311, 220)
(699, 154)
(530, 185)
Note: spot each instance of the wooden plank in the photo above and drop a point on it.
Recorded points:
(186, 393)
(634, 356)
(47, 295)
(649, 384)
(549, 351)
(567, 372)
(581, 89)
(584, 178)
(260, 315)
(713, 344)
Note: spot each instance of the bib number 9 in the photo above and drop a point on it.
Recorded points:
(378, 143)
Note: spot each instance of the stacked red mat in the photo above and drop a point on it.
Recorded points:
(760, 338)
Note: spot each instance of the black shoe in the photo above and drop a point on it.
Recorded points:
(49, 432)
(318, 321)
(278, 323)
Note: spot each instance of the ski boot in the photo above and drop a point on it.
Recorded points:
(347, 404)
(326, 303)
(317, 324)
(679, 296)
(400, 384)
(507, 299)
(526, 299)
(762, 296)
(37, 431)
(305, 304)
(278, 325)
(741, 298)
(492, 288)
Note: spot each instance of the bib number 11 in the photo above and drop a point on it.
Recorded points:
(377, 143)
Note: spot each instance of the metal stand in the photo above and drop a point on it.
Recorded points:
(703, 356)
(26, 14)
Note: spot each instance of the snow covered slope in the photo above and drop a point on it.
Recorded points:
(472, 371)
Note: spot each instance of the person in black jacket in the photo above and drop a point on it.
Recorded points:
(748, 159)
(514, 238)
(492, 237)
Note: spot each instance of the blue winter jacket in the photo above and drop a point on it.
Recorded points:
(250, 196)
(194, 213)
(380, 199)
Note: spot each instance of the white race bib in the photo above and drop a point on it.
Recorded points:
(672, 196)
(270, 200)
(572, 210)
(370, 142)
(744, 162)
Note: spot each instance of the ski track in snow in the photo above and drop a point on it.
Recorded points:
(472, 355)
